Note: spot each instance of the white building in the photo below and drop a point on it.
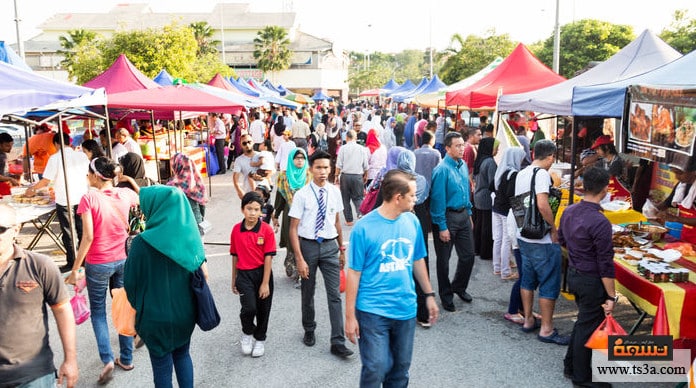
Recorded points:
(316, 64)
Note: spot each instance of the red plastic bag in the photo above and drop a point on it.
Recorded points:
(122, 313)
(79, 306)
(600, 337)
(342, 282)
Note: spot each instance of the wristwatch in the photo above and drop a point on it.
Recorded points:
(429, 294)
(615, 299)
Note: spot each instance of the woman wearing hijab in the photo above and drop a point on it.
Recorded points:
(510, 164)
(387, 137)
(104, 212)
(399, 129)
(378, 155)
(294, 178)
(133, 166)
(318, 140)
(484, 175)
(158, 274)
(186, 177)
(392, 163)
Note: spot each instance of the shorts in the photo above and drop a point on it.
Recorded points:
(541, 267)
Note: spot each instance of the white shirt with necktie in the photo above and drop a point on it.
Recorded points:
(305, 206)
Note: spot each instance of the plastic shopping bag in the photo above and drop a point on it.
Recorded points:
(600, 337)
(342, 281)
(122, 313)
(79, 306)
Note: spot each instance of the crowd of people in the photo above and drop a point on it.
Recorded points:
(394, 176)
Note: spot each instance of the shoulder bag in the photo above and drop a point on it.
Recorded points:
(207, 316)
(533, 226)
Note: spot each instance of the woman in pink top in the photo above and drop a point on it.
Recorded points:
(104, 211)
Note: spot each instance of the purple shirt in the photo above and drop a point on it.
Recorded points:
(586, 233)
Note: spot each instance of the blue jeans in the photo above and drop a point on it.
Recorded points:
(180, 359)
(97, 285)
(515, 305)
(386, 346)
(541, 267)
(45, 381)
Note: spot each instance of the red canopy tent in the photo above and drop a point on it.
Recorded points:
(172, 98)
(121, 76)
(220, 82)
(520, 72)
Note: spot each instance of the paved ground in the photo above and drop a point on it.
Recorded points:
(472, 347)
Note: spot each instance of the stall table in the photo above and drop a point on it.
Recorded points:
(41, 217)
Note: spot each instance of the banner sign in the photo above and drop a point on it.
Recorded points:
(660, 125)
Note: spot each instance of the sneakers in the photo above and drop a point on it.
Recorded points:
(341, 351)
(258, 349)
(309, 338)
(247, 342)
(423, 324)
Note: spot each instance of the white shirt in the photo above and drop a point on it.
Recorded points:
(542, 183)
(118, 150)
(77, 166)
(282, 155)
(305, 205)
(242, 165)
(257, 129)
(219, 130)
(132, 146)
(352, 158)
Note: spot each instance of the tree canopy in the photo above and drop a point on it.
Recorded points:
(585, 41)
(467, 56)
(681, 33)
(272, 49)
(171, 47)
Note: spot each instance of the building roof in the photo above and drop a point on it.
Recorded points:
(139, 15)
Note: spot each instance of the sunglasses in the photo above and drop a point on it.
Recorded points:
(4, 229)
(246, 142)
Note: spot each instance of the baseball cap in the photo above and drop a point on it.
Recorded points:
(604, 139)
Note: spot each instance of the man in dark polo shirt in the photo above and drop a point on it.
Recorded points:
(29, 282)
(586, 233)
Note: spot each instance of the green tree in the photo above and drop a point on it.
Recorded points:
(70, 44)
(272, 49)
(681, 33)
(203, 34)
(467, 56)
(585, 41)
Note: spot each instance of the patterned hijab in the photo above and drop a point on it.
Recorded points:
(187, 178)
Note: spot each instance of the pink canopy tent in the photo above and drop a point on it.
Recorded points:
(520, 72)
(172, 98)
(220, 82)
(121, 76)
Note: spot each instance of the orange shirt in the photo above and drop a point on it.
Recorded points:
(41, 148)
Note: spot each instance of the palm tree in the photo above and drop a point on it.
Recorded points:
(202, 32)
(70, 43)
(272, 49)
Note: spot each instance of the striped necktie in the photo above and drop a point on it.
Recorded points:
(321, 213)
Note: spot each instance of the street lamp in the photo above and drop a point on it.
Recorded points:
(368, 50)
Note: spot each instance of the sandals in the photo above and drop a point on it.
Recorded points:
(512, 276)
(517, 319)
(106, 374)
(123, 366)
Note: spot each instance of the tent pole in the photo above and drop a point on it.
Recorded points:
(573, 150)
(206, 149)
(71, 218)
(27, 155)
(108, 131)
(154, 145)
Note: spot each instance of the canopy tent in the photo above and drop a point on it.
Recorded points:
(21, 91)
(8, 55)
(434, 85)
(244, 87)
(299, 98)
(221, 82)
(406, 86)
(234, 98)
(390, 85)
(397, 93)
(264, 90)
(247, 89)
(320, 96)
(607, 100)
(268, 85)
(371, 92)
(645, 53)
(163, 78)
(437, 99)
(121, 76)
(172, 98)
(283, 91)
(520, 72)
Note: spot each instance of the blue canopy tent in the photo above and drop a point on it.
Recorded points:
(607, 100)
(399, 96)
(320, 96)
(282, 90)
(244, 87)
(264, 90)
(390, 85)
(164, 78)
(8, 55)
(268, 85)
(235, 98)
(434, 85)
(406, 86)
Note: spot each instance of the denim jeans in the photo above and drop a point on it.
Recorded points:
(180, 359)
(45, 381)
(386, 346)
(64, 222)
(97, 285)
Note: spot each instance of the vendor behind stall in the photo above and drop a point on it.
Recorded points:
(611, 161)
(682, 197)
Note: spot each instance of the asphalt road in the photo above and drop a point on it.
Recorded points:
(472, 347)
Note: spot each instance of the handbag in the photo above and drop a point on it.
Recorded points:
(533, 226)
(370, 199)
(207, 316)
(122, 312)
(79, 306)
(600, 337)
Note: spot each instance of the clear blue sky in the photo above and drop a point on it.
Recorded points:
(388, 25)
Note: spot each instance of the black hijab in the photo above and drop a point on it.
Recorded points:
(133, 165)
(485, 151)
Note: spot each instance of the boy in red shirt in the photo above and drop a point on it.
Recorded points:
(252, 246)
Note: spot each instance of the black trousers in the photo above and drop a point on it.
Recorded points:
(483, 233)
(64, 221)
(423, 213)
(253, 307)
(462, 240)
(220, 153)
(589, 296)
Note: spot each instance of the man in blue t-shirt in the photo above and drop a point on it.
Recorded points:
(385, 254)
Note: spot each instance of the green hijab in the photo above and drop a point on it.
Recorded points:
(297, 177)
(171, 226)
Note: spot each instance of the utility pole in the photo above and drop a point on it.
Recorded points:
(20, 44)
(557, 41)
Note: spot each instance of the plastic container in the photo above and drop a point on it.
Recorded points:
(674, 229)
